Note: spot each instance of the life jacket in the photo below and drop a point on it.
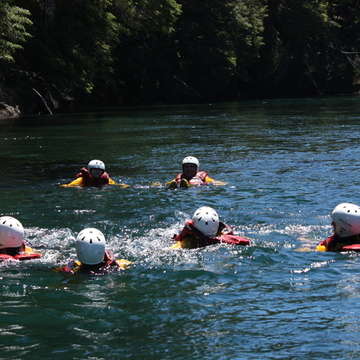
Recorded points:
(198, 179)
(107, 265)
(25, 253)
(198, 239)
(90, 180)
(337, 243)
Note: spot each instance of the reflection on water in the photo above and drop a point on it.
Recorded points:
(287, 162)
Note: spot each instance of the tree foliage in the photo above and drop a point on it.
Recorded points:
(14, 23)
(135, 51)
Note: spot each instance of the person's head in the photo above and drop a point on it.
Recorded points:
(90, 246)
(96, 168)
(11, 233)
(346, 219)
(190, 166)
(206, 220)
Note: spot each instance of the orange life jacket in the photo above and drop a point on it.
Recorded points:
(90, 180)
(198, 179)
(225, 235)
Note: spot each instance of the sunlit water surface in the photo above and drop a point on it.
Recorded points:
(287, 164)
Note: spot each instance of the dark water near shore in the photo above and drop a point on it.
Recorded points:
(288, 164)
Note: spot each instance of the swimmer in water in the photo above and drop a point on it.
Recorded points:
(205, 229)
(191, 176)
(346, 228)
(93, 175)
(93, 258)
(12, 242)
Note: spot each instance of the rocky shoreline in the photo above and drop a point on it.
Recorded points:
(9, 112)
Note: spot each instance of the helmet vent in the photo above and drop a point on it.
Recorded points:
(83, 238)
(206, 223)
(90, 241)
(10, 225)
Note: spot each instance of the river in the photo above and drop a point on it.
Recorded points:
(287, 162)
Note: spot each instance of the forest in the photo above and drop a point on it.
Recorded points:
(60, 56)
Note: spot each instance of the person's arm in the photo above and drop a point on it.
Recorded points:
(123, 264)
(156, 184)
(327, 244)
(74, 183)
(185, 231)
(70, 268)
(188, 242)
(172, 184)
(113, 182)
(320, 248)
(28, 250)
(186, 239)
(212, 181)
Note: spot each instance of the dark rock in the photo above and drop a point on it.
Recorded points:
(9, 112)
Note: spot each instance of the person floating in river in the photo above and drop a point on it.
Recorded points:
(93, 258)
(191, 176)
(346, 227)
(12, 243)
(93, 175)
(205, 229)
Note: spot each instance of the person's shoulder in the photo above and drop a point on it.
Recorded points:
(83, 172)
(105, 175)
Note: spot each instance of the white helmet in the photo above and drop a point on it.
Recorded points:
(206, 220)
(346, 217)
(96, 164)
(11, 233)
(191, 160)
(90, 246)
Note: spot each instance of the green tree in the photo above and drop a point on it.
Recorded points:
(247, 34)
(345, 44)
(297, 58)
(218, 40)
(14, 22)
(146, 55)
(73, 45)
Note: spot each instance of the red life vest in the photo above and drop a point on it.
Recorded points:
(90, 180)
(225, 235)
(198, 179)
(336, 243)
(25, 254)
(109, 263)
(233, 240)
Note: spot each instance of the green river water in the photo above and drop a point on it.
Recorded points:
(288, 163)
